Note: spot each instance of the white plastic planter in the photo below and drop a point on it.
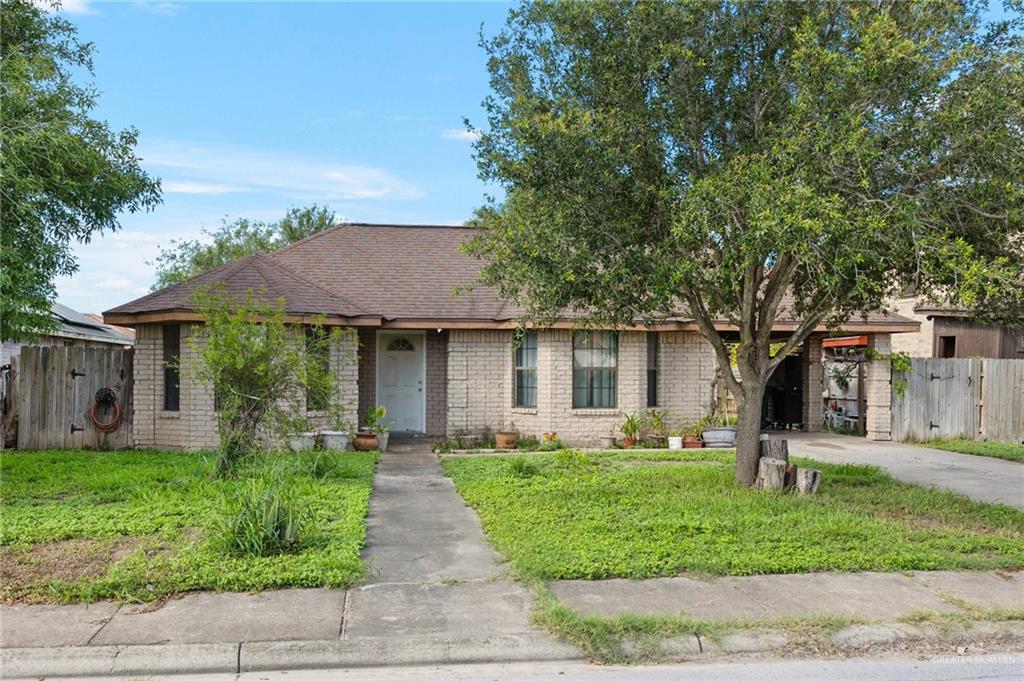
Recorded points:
(607, 441)
(382, 440)
(335, 440)
(301, 442)
(675, 441)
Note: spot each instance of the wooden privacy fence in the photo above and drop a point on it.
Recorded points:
(56, 391)
(977, 399)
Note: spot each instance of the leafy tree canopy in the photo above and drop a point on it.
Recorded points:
(64, 176)
(186, 258)
(751, 161)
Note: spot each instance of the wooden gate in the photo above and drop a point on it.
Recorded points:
(977, 399)
(56, 390)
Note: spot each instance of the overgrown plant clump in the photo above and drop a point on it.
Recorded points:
(265, 371)
(264, 517)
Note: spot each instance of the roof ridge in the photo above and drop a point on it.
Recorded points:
(271, 260)
(314, 235)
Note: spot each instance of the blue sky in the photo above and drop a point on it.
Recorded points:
(247, 109)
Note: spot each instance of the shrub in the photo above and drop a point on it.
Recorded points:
(263, 517)
(522, 468)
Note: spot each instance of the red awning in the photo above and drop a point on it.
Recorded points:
(852, 341)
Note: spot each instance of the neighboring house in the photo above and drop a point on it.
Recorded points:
(947, 332)
(73, 329)
(443, 363)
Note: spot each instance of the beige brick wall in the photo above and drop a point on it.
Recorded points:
(437, 382)
(812, 371)
(480, 375)
(686, 375)
(367, 370)
(918, 344)
(194, 425)
(878, 390)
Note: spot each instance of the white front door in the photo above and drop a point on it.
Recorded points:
(401, 373)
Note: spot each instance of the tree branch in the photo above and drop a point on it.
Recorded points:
(707, 327)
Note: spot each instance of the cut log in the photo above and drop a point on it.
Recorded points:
(775, 449)
(771, 473)
(790, 476)
(807, 480)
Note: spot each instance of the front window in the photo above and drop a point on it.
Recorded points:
(652, 368)
(172, 373)
(594, 362)
(526, 370)
(318, 356)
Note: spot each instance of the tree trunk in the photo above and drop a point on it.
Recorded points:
(748, 431)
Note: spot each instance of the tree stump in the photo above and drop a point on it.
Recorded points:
(771, 473)
(775, 449)
(807, 480)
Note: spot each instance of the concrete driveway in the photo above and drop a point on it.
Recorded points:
(979, 477)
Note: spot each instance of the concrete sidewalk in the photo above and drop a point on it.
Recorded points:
(981, 478)
(884, 596)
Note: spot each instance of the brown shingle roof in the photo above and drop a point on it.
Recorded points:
(395, 272)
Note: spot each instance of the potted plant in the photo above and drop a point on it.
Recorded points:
(657, 431)
(302, 438)
(675, 438)
(365, 440)
(506, 438)
(338, 438)
(691, 438)
(630, 429)
(718, 430)
(376, 424)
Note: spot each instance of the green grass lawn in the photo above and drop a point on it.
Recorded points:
(997, 450)
(571, 515)
(140, 525)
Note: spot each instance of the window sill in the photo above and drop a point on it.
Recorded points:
(590, 411)
(170, 414)
(524, 410)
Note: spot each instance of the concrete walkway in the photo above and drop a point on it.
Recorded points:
(419, 530)
(981, 478)
(885, 596)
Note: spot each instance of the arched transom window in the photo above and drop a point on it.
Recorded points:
(401, 345)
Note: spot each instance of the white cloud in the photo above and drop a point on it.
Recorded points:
(463, 135)
(175, 187)
(165, 9)
(200, 166)
(68, 6)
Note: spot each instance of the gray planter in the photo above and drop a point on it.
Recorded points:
(335, 440)
(382, 440)
(301, 442)
(719, 437)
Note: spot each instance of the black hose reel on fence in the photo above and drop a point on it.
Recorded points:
(105, 397)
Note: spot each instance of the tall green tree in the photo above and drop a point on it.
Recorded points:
(751, 162)
(64, 176)
(186, 258)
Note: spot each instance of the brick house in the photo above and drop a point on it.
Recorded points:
(445, 363)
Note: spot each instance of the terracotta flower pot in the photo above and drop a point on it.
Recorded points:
(628, 442)
(365, 442)
(692, 442)
(506, 439)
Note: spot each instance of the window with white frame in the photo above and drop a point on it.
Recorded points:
(526, 370)
(594, 369)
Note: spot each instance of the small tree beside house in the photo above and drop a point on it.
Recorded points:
(266, 372)
(766, 169)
